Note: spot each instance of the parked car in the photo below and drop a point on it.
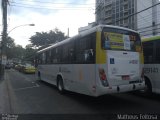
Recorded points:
(8, 66)
(28, 68)
(18, 67)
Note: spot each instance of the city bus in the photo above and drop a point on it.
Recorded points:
(151, 48)
(101, 60)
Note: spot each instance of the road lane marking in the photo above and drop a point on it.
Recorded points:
(24, 88)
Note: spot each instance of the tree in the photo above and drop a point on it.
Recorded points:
(45, 38)
(13, 50)
(10, 42)
(29, 53)
(18, 52)
(10, 45)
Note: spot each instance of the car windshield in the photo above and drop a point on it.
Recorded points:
(28, 65)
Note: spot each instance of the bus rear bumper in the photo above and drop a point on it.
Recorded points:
(119, 89)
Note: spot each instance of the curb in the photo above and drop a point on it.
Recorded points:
(8, 104)
(4, 97)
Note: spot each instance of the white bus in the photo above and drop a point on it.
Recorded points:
(102, 60)
(151, 48)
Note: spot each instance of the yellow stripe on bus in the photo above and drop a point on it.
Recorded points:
(100, 53)
(141, 58)
(151, 38)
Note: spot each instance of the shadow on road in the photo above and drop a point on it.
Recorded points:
(115, 103)
(152, 96)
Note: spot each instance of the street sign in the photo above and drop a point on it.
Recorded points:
(4, 59)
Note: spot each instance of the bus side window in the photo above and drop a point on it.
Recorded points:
(88, 55)
(44, 58)
(84, 49)
(71, 53)
(157, 55)
(148, 52)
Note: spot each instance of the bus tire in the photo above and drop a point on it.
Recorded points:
(148, 86)
(60, 85)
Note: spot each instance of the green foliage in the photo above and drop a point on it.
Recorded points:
(29, 53)
(45, 38)
(12, 50)
(16, 51)
(42, 40)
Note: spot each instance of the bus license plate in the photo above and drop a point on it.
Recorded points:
(125, 77)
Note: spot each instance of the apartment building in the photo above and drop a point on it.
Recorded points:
(127, 13)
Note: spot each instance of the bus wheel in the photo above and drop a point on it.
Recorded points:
(148, 86)
(60, 85)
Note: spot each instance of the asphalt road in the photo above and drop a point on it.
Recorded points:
(30, 96)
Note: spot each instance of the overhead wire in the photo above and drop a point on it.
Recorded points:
(48, 7)
(149, 20)
(148, 26)
(137, 12)
(148, 16)
(15, 3)
(52, 8)
(56, 2)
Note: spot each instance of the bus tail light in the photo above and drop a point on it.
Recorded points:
(103, 77)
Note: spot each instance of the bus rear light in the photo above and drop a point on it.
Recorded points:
(103, 77)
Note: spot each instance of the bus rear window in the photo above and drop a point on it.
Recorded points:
(118, 39)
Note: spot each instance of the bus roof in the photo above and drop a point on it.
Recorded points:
(151, 38)
(84, 33)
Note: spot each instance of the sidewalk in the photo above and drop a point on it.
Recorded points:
(5, 106)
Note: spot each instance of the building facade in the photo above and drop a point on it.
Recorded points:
(133, 14)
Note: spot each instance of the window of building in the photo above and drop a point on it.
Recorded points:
(117, 15)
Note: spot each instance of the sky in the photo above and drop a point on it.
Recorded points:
(47, 15)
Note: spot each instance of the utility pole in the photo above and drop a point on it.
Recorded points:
(4, 37)
(154, 18)
(68, 33)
